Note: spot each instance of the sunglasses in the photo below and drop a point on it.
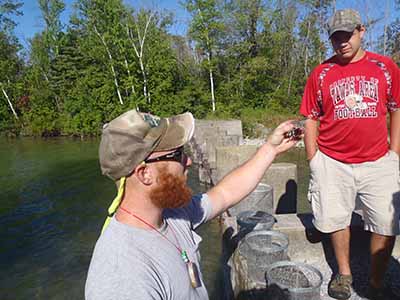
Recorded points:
(178, 155)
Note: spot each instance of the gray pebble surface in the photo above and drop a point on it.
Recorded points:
(360, 268)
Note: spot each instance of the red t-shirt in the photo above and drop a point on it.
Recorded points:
(351, 102)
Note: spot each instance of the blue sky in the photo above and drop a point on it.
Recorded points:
(31, 22)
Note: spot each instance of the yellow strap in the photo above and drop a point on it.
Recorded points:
(116, 202)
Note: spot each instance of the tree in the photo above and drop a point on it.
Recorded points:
(10, 71)
(10, 63)
(51, 11)
(205, 29)
(8, 9)
(100, 20)
(137, 29)
(393, 41)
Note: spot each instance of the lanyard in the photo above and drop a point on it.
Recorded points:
(193, 271)
(183, 253)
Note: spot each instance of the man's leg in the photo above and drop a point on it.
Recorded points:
(379, 193)
(381, 251)
(341, 246)
(340, 286)
(332, 194)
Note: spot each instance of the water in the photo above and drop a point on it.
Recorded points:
(53, 204)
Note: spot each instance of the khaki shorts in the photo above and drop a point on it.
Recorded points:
(334, 187)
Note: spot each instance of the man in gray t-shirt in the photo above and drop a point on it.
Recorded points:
(148, 248)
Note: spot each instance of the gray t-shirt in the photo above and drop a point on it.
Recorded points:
(130, 263)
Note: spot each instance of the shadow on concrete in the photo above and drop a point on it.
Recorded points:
(287, 203)
(360, 259)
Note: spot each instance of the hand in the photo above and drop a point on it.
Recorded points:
(277, 139)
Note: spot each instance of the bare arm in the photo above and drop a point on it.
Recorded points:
(395, 131)
(241, 181)
(310, 138)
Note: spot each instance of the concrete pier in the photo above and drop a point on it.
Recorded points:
(208, 135)
(306, 245)
(281, 176)
(217, 148)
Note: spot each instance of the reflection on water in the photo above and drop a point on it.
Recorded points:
(53, 204)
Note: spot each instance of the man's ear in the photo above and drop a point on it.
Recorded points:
(144, 174)
(362, 31)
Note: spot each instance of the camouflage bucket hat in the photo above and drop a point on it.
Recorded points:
(130, 138)
(343, 20)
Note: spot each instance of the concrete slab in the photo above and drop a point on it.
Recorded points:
(309, 246)
(281, 176)
(303, 235)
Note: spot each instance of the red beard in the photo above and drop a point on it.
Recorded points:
(171, 191)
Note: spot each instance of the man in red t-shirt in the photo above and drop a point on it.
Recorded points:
(346, 100)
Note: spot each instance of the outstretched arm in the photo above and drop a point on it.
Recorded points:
(243, 180)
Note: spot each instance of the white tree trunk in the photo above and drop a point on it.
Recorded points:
(209, 53)
(45, 75)
(139, 53)
(144, 80)
(9, 102)
(130, 76)
(290, 80)
(211, 82)
(306, 49)
(111, 65)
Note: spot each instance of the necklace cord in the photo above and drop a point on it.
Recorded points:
(155, 229)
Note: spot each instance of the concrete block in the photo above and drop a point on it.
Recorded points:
(281, 176)
(306, 245)
(315, 245)
(232, 127)
(260, 199)
(207, 136)
(230, 157)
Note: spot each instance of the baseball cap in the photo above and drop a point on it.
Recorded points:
(130, 138)
(343, 20)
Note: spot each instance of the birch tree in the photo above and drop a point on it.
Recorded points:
(137, 29)
(47, 43)
(10, 64)
(101, 20)
(51, 11)
(205, 28)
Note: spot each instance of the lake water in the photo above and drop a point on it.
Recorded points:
(53, 204)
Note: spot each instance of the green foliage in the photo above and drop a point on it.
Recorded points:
(112, 57)
(11, 72)
(252, 118)
(8, 9)
(393, 41)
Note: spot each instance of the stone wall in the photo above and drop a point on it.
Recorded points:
(217, 148)
(208, 135)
